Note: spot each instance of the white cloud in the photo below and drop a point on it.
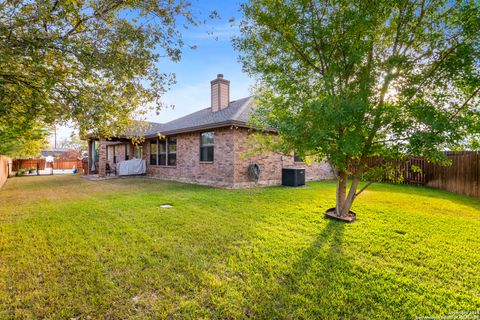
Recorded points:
(223, 32)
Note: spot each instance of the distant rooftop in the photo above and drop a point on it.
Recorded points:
(54, 152)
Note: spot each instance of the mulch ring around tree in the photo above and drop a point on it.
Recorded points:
(332, 214)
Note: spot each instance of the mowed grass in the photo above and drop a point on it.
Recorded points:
(73, 248)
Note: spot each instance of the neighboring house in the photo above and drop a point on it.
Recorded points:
(62, 153)
(55, 152)
(206, 147)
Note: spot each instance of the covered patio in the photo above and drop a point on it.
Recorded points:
(103, 153)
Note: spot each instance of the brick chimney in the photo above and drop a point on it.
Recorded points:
(220, 93)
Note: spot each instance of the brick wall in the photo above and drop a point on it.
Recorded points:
(219, 93)
(220, 172)
(224, 95)
(119, 153)
(214, 98)
(270, 164)
(229, 168)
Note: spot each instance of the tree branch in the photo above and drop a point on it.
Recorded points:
(96, 14)
(297, 50)
(363, 189)
(474, 93)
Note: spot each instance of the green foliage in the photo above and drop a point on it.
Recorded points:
(20, 137)
(73, 248)
(90, 62)
(348, 80)
(74, 142)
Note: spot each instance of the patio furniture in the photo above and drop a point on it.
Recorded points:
(109, 170)
(132, 167)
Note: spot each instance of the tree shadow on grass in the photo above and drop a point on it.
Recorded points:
(312, 287)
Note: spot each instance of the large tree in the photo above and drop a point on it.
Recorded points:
(349, 80)
(93, 62)
(20, 137)
(74, 142)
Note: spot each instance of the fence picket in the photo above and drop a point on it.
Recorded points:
(58, 164)
(462, 176)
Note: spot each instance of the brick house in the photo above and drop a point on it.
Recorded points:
(206, 147)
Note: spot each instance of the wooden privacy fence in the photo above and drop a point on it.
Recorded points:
(406, 169)
(60, 164)
(462, 176)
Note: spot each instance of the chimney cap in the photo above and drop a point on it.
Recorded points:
(220, 76)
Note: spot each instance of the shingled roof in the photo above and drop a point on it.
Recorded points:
(238, 113)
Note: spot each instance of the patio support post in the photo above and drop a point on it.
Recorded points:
(102, 158)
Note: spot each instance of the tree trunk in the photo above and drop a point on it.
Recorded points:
(341, 191)
(351, 196)
(344, 202)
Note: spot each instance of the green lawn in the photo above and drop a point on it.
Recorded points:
(72, 248)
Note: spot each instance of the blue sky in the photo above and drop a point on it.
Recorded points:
(214, 54)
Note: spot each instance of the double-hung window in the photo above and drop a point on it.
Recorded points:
(162, 152)
(127, 156)
(153, 152)
(167, 151)
(206, 146)
(172, 151)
